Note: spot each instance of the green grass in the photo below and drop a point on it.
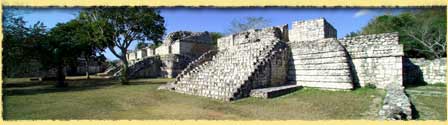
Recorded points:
(142, 101)
(430, 101)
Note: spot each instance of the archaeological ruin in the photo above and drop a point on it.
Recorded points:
(168, 60)
(265, 62)
(274, 61)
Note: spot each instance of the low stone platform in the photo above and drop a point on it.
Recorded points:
(274, 91)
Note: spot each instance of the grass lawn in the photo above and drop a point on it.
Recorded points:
(430, 101)
(108, 99)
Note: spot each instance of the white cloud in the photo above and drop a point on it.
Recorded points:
(361, 12)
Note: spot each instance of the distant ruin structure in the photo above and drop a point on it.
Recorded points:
(277, 60)
(168, 60)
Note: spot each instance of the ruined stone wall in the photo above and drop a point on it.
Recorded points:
(150, 52)
(140, 54)
(236, 69)
(225, 42)
(178, 49)
(194, 49)
(163, 50)
(173, 64)
(132, 56)
(419, 70)
(274, 71)
(309, 30)
(185, 42)
(146, 68)
(320, 63)
(375, 59)
(254, 35)
(396, 104)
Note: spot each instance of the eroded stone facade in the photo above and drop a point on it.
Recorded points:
(268, 60)
(252, 59)
(376, 59)
(419, 70)
(320, 63)
(168, 60)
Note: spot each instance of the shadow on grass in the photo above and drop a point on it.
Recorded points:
(415, 113)
(74, 85)
(413, 85)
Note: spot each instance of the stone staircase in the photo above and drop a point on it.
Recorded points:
(226, 74)
(109, 71)
(320, 63)
(135, 68)
(138, 67)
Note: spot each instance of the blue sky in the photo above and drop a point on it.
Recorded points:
(345, 20)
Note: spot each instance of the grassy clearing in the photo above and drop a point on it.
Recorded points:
(430, 101)
(142, 101)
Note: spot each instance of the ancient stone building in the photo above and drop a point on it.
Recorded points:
(420, 71)
(266, 62)
(244, 61)
(168, 60)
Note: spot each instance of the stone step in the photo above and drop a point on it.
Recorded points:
(222, 77)
(321, 61)
(319, 55)
(326, 85)
(319, 67)
(345, 72)
(273, 91)
(324, 78)
(301, 51)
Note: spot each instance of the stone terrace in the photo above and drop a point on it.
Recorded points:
(227, 76)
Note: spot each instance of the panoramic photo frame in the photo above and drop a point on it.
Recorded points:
(314, 4)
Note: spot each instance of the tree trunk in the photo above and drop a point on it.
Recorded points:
(124, 73)
(87, 67)
(60, 77)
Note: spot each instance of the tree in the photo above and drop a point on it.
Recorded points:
(215, 37)
(14, 32)
(18, 42)
(91, 40)
(422, 32)
(352, 34)
(59, 49)
(141, 45)
(430, 37)
(128, 24)
(247, 23)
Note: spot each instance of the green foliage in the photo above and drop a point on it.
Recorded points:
(370, 85)
(422, 32)
(127, 24)
(19, 57)
(247, 23)
(352, 34)
(141, 45)
(216, 36)
(155, 45)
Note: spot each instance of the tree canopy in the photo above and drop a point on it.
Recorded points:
(247, 23)
(29, 47)
(127, 24)
(422, 32)
(18, 43)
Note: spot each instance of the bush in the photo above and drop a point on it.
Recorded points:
(370, 85)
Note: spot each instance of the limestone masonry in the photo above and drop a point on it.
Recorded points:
(276, 60)
(263, 62)
(267, 61)
(168, 60)
(419, 70)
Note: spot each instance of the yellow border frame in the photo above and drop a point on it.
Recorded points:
(218, 3)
